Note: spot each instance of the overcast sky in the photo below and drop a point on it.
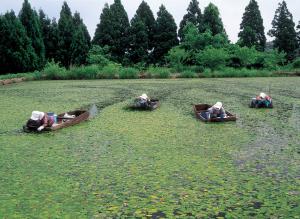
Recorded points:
(90, 10)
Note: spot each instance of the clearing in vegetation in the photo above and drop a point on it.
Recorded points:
(162, 163)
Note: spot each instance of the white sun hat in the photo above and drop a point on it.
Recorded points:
(37, 115)
(218, 105)
(262, 95)
(144, 96)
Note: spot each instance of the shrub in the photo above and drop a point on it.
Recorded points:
(212, 58)
(128, 73)
(296, 63)
(188, 74)
(53, 71)
(233, 72)
(83, 72)
(158, 72)
(176, 57)
(272, 59)
(110, 71)
(97, 56)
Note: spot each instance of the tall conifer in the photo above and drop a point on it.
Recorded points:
(252, 29)
(32, 25)
(146, 15)
(193, 16)
(16, 51)
(283, 29)
(165, 34)
(65, 34)
(212, 20)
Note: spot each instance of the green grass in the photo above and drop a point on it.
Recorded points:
(128, 164)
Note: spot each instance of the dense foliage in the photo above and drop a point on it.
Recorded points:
(30, 21)
(145, 41)
(283, 29)
(165, 35)
(252, 29)
(193, 16)
(17, 53)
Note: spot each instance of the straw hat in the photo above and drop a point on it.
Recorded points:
(37, 115)
(218, 105)
(144, 96)
(263, 95)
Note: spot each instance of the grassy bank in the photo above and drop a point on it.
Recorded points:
(53, 71)
(126, 164)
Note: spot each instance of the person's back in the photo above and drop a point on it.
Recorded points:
(216, 110)
(263, 100)
(143, 100)
(38, 121)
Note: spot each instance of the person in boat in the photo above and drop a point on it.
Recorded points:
(215, 111)
(262, 100)
(38, 121)
(143, 101)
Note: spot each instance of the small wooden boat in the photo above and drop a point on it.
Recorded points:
(63, 122)
(154, 104)
(200, 112)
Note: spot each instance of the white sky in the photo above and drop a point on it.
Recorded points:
(90, 10)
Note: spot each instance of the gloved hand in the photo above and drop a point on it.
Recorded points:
(40, 128)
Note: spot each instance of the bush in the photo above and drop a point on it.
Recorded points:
(212, 58)
(188, 74)
(53, 71)
(158, 72)
(128, 73)
(296, 63)
(110, 71)
(233, 72)
(177, 57)
(97, 56)
(83, 72)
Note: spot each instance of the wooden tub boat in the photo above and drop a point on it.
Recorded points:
(200, 113)
(63, 122)
(154, 104)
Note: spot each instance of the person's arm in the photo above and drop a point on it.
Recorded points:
(210, 110)
(45, 120)
(222, 111)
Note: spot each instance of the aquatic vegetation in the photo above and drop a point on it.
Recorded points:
(141, 164)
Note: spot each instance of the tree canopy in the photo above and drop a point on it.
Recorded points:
(252, 29)
(193, 16)
(283, 29)
(165, 34)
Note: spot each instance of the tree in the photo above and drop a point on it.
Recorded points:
(298, 34)
(80, 45)
(104, 29)
(283, 29)
(113, 30)
(212, 20)
(252, 29)
(193, 16)
(212, 58)
(146, 15)
(194, 41)
(30, 21)
(65, 34)
(165, 34)
(139, 44)
(50, 36)
(17, 53)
